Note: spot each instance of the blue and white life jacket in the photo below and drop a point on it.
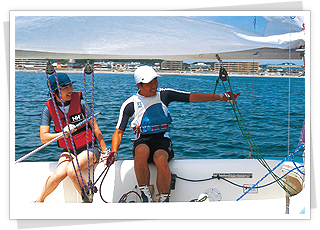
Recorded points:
(150, 116)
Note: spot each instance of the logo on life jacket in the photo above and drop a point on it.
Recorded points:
(76, 118)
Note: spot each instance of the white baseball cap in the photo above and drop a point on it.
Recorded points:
(145, 74)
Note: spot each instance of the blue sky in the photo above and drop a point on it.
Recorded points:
(243, 22)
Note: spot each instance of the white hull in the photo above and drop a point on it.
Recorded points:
(30, 177)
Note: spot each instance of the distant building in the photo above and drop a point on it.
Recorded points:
(199, 67)
(282, 69)
(238, 67)
(172, 65)
(30, 64)
(72, 64)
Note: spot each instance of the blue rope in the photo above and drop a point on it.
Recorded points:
(296, 165)
(291, 154)
(265, 185)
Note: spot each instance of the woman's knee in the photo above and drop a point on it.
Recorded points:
(70, 172)
(58, 176)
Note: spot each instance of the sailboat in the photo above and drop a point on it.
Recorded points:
(269, 188)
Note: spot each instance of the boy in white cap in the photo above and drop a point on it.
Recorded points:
(150, 121)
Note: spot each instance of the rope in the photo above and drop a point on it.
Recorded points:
(64, 136)
(223, 75)
(105, 171)
(291, 154)
(88, 70)
(124, 197)
(93, 120)
(87, 134)
(89, 189)
(235, 184)
(241, 186)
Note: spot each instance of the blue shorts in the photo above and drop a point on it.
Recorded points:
(155, 142)
(78, 151)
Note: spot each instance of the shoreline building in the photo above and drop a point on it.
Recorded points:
(30, 64)
(172, 65)
(238, 67)
(200, 67)
(282, 69)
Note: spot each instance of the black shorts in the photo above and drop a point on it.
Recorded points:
(155, 142)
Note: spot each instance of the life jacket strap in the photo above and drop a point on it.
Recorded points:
(138, 130)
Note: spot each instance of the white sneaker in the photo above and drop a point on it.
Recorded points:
(145, 193)
(164, 197)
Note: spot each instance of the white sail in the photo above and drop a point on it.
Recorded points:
(182, 37)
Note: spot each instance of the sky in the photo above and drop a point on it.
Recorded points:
(243, 22)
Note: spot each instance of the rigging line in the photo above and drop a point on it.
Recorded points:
(105, 171)
(87, 134)
(59, 119)
(246, 133)
(265, 185)
(243, 127)
(234, 105)
(289, 87)
(235, 184)
(251, 107)
(251, 96)
(67, 122)
(247, 138)
(93, 118)
(271, 171)
(88, 70)
(226, 78)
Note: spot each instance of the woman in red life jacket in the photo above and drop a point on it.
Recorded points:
(75, 111)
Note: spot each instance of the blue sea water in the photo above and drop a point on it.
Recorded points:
(200, 130)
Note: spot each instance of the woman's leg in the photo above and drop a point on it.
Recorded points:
(53, 181)
(83, 163)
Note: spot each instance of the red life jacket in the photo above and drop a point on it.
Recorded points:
(74, 117)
